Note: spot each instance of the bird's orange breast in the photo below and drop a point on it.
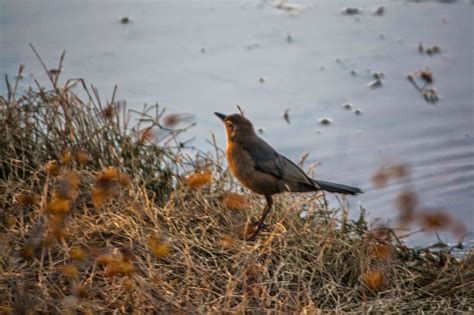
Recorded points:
(230, 159)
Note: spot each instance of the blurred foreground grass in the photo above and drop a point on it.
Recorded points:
(104, 212)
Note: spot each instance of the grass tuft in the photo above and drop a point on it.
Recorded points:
(101, 219)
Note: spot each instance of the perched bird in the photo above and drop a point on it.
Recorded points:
(263, 170)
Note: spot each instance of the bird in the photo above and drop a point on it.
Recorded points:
(260, 168)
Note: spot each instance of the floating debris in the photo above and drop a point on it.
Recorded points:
(286, 115)
(353, 73)
(427, 76)
(125, 20)
(380, 11)
(252, 46)
(430, 95)
(293, 8)
(358, 112)
(428, 92)
(375, 84)
(382, 36)
(378, 75)
(260, 131)
(203, 50)
(350, 11)
(433, 50)
(261, 80)
(172, 120)
(325, 121)
(347, 106)
(289, 38)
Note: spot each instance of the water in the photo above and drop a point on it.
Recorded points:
(204, 56)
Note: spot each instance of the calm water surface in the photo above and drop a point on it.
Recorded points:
(204, 56)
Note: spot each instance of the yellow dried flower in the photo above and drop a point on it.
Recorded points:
(80, 291)
(147, 134)
(77, 253)
(97, 196)
(227, 241)
(158, 248)
(380, 178)
(433, 221)
(26, 199)
(67, 186)
(105, 259)
(235, 201)
(59, 206)
(81, 156)
(199, 179)
(372, 279)
(381, 251)
(66, 158)
(69, 271)
(109, 173)
(246, 231)
(52, 168)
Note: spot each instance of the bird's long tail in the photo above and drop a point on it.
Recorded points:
(337, 188)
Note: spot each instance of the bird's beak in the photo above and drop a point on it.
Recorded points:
(221, 116)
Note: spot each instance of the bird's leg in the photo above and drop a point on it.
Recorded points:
(260, 224)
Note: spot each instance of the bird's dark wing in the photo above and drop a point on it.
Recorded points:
(268, 161)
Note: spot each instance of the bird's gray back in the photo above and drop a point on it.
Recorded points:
(269, 161)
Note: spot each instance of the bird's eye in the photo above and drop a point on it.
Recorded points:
(229, 124)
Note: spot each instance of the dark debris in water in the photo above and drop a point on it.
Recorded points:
(422, 81)
(380, 11)
(375, 84)
(351, 11)
(125, 20)
(325, 121)
(286, 115)
(430, 50)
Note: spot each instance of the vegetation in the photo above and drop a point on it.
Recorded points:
(104, 210)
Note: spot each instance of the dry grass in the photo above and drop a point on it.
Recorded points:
(99, 217)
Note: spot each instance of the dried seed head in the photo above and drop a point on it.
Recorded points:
(66, 158)
(433, 221)
(380, 178)
(69, 271)
(407, 202)
(381, 251)
(246, 231)
(77, 253)
(147, 134)
(59, 206)
(26, 199)
(399, 171)
(373, 279)
(227, 241)
(81, 157)
(199, 179)
(52, 168)
(234, 201)
(157, 247)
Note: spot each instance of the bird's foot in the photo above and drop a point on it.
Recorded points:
(259, 225)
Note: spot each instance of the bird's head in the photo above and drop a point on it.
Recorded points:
(237, 127)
